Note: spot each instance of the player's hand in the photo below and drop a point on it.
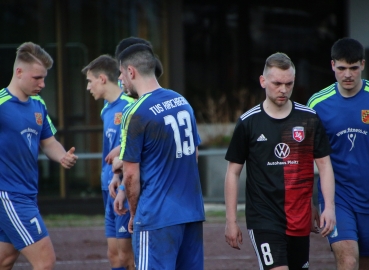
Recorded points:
(117, 165)
(130, 224)
(315, 224)
(112, 154)
(113, 186)
(328, 218)
(233, 234)
(118, 203)
(69, 159)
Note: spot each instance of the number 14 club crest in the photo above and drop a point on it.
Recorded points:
(298, 134)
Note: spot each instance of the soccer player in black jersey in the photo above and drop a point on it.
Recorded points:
(279, 139)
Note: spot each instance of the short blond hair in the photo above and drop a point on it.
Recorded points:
(30, 52)
(279, 60)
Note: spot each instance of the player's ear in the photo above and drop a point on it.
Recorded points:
(333, 64)
(131, 72)
(103, 78)
(262, 81)
(18, 71)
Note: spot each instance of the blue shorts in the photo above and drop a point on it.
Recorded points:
(20, 221)
(173, 247)
(351, 226)
(115, 226)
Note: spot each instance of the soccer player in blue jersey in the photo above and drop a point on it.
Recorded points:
(126, 42)
(279, 140)
(122, 45)
(160, 171)
(102, 77)
(344, 110)
(24, 128)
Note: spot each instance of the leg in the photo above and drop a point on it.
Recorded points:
(126, 253)
(111, 231)
(8, 256)
(346, 253)
(120, 252)
(112, 253)
(40, 254)
(345, 244)
(298, 252)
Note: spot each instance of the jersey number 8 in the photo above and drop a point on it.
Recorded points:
(265, 249)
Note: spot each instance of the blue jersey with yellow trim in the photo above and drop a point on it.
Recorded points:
(22, 126)
(347, 125)
(160, 133)
(111, 115)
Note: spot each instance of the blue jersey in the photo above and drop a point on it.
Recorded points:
(347, 125)
(111, 115)
(160, 133)
(22, 126)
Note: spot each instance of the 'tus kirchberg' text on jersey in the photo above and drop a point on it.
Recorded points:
(160, 133)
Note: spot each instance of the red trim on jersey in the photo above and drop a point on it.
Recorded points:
(298, 189)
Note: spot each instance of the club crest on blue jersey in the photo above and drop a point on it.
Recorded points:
(365, 116)
(117, 118)
(298, 134)
(38, 117)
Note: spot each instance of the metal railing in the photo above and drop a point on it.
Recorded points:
(208, 152)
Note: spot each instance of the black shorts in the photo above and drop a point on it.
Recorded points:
(277, 249)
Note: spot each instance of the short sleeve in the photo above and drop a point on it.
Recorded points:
(322, 145)
(238, 148)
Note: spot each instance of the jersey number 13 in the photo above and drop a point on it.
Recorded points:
(185, 147)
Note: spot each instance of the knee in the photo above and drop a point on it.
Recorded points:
(347, 263)
(8, 262)
(112, 256)
(47, 264)
(8, 257)
(127, 260)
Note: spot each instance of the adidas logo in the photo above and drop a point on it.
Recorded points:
(306, 265)
(122, 229)
(262, 138)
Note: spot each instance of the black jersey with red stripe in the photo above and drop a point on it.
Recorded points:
(279, 155)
